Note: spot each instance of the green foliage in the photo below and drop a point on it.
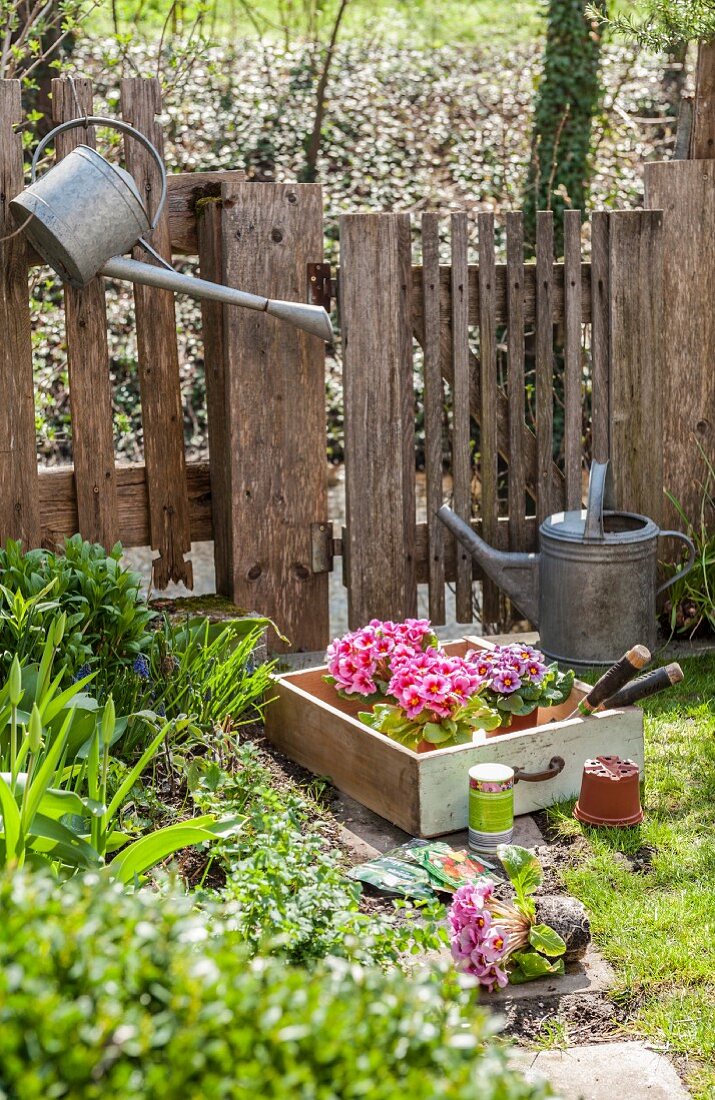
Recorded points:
(663, 24)
(107, 616)
(64, 816)
(287, 884)
(650, 890)
(476, 713)
(524, 871)
(104, 993)
(199, 669)
(690, 602)
(566, 101)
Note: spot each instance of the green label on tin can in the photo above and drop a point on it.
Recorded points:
(491, 799)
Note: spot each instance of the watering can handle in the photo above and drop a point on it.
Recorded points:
(115, 124)
(691, 558)
(600, 492)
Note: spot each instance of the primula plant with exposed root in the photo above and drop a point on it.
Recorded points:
(500, 941)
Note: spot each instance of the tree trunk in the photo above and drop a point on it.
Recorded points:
(566, 102)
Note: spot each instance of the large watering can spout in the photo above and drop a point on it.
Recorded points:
(84, 213)
(312, 319)
(517, 574)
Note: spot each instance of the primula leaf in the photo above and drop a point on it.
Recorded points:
(523, 869)
(435, 733)
(546, 940)
(528, 966)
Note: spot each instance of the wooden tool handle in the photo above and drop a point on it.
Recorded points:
(615, 678)
(644, 686)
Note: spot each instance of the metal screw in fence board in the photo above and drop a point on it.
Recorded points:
(19, 490)
(376, 318)
(433, 413)
(573, 398)
(461, 457)
(88, 358)
(162, 409)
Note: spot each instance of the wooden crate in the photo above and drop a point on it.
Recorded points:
(426, 794)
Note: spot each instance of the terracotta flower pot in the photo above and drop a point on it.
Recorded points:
(610, 793)
(518, 722)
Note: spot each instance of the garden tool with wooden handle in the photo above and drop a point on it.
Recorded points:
(613, 680)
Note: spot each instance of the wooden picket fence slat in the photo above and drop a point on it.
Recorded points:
(19, 495)
(515, 385)
(88, 356)
(572, 358)
(461, 458)
(159, 381)
(433, 419)
(375, 293)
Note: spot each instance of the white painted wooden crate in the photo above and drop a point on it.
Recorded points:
(426, 793)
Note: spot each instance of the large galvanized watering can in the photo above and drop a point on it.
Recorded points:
(85, 212)
(592, 588)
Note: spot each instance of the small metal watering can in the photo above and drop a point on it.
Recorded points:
(592, 589)
(85, 212)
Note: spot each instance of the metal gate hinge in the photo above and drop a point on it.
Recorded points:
(321, 547)
(319, 285)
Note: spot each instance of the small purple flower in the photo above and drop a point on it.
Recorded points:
(161, 710)
(505, 682)
(82, 671)
(141, 667)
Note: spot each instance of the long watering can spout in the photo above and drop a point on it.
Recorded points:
(517, 574)
(312, 319)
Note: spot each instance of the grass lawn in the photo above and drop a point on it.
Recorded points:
(657, 928)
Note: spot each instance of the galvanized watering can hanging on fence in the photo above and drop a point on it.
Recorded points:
(592, 589)
(85, 212)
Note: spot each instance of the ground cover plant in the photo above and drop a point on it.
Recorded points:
(106, 993)
(650, 890)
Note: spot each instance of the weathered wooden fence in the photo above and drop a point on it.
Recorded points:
(385, 301)
(262, 497)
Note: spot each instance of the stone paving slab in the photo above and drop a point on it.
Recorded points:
(604, 1071)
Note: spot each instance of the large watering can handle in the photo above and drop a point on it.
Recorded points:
(114, 124)
(691, 558)
(600, 492)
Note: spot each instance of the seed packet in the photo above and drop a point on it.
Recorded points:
(449, 868)
(395, 877)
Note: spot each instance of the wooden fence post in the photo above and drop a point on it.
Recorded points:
(685, 191)
(376, 321)
(636, 375)
(266, 408)
(162, 407)
(19, 484)
(88, 359)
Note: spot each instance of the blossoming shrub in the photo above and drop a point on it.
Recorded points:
(109, 994)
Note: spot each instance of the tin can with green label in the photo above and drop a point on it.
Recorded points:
(491, 806)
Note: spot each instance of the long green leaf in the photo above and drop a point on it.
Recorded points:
(46, 772)
(56, 803)
(132, 776)
(64, 844)
(12, 826)
(150, 850)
